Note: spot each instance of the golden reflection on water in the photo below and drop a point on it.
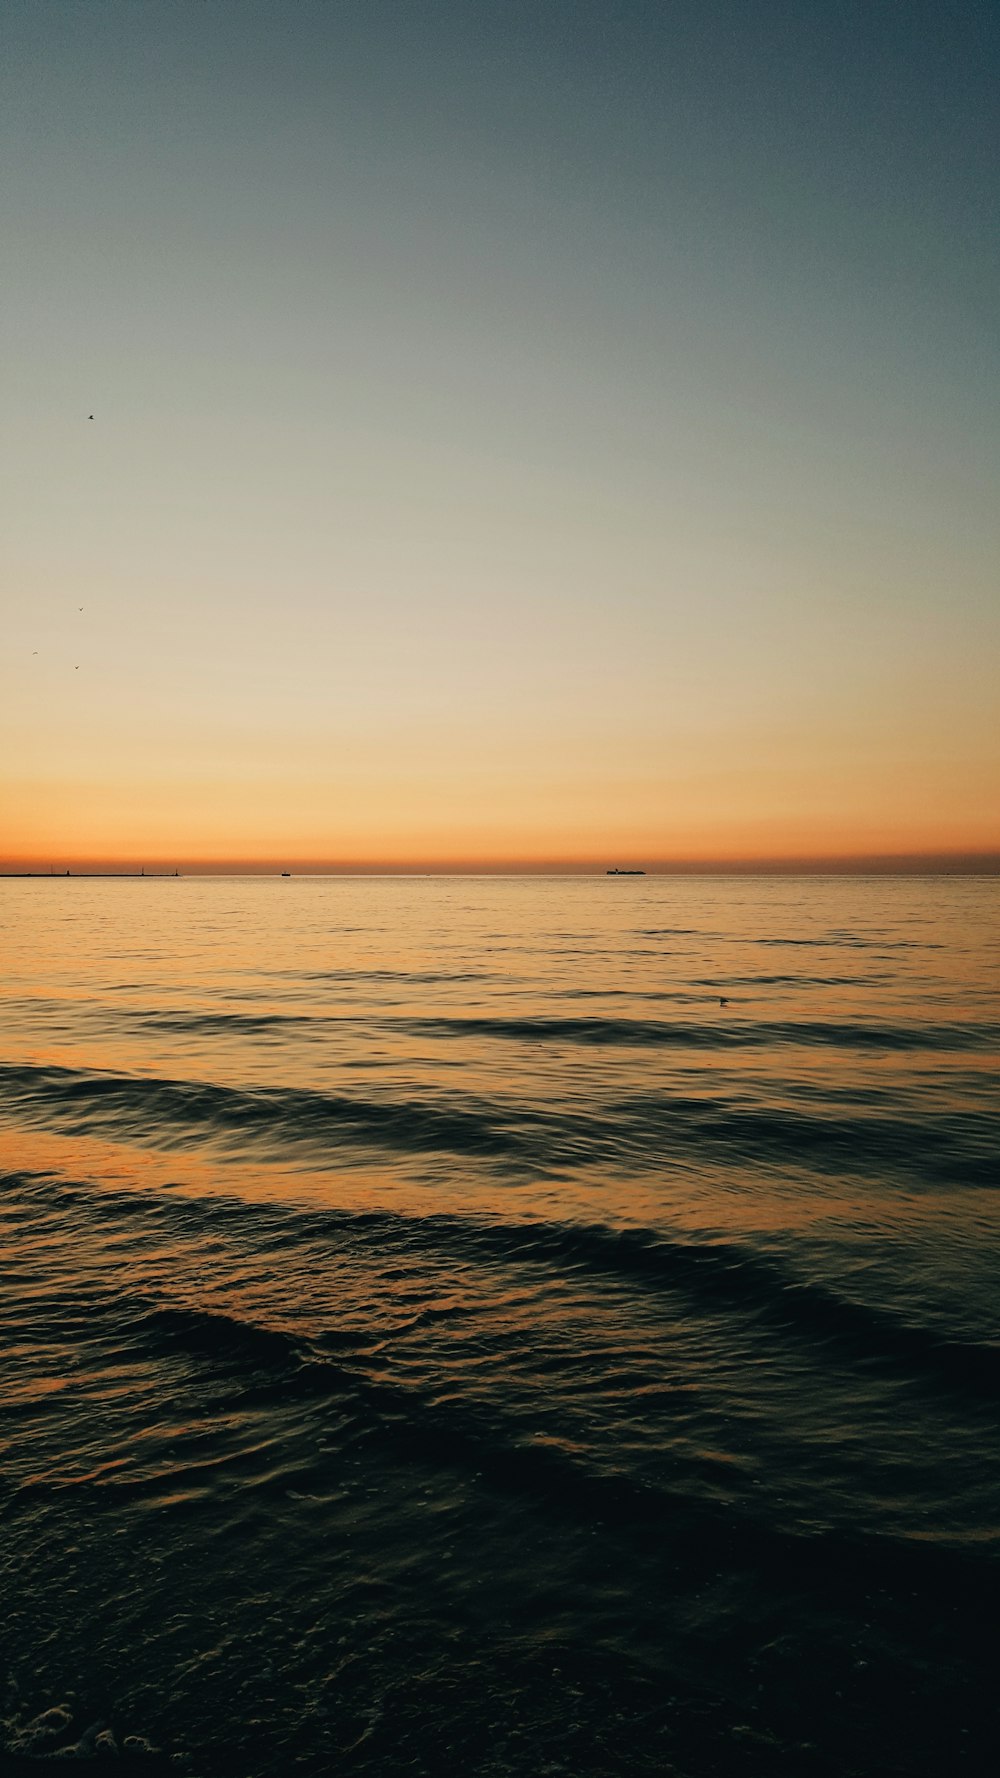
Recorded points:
(691, 1203)
(523, 1002)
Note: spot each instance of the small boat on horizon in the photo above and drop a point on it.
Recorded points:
(286, 873)
(624, 873)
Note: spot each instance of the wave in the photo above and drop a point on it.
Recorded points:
(673, 932)
(423, 978)
(855, 941)
(269, 1364)
(869, 979)
(226, 1338)
(734, 1031)
(652, 1033)
(709, 1274)
(724, 1273)
(154, 1107)
(211, 1023)
(645, 1130)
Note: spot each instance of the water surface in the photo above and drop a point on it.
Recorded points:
(507, 1326)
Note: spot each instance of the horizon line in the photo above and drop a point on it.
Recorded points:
(960, 862)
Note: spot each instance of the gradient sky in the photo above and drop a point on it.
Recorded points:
(561, 431)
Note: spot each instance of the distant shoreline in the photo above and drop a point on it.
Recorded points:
(982, 871)
(59, 876)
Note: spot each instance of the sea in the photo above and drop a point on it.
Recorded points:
(500, 1327)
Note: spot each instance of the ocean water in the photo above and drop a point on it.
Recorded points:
(501, 1326)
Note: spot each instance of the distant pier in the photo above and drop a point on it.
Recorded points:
(59, 876)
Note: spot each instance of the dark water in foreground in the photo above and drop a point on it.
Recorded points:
(440, 1338)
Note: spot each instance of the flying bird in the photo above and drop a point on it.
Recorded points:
(90, 416)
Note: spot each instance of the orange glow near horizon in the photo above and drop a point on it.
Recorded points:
(191, 833)
(667, 793)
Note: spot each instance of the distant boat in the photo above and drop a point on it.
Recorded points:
(286, 873)
(625, 873)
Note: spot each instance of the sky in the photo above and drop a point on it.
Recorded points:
(525, 435)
